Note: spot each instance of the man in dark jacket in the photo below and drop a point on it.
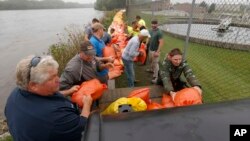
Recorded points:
(37, 111)
(170, 74)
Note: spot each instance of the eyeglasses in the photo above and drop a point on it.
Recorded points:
(33, 63)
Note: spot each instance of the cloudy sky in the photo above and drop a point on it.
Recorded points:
(81, 1)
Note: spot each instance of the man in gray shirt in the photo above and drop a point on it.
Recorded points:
(130, 52)
(82, 67)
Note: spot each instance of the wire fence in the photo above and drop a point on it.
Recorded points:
(214, 36)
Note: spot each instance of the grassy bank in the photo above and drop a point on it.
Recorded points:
(224, 74)
(7, 138)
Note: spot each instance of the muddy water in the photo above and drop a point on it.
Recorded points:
(25, 32)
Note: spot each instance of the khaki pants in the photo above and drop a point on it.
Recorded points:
(154, 63)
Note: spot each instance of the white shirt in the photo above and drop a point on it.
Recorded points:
(131, 50)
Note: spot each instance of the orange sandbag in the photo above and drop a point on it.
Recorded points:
(142, 58)
(92, 87)
(187, 96)
(114, 39)
(142, 93)
(167, 101)
(154, 105)
(109, 51)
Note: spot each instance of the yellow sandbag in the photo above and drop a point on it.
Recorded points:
(137, 104)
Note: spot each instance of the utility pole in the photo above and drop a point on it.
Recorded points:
(188, 30)
(152, 8)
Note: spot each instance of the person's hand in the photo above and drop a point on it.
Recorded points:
(110, 59)
(156, 54)
(172, 94)
(109, 65)
(87, 102)
(74, 89)
(198, 89)
(70, 91)
(116, 47)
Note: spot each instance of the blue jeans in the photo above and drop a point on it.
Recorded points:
(129, 70)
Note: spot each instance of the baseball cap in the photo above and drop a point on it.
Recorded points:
(87, 48)
(97, 26)
(144, 32)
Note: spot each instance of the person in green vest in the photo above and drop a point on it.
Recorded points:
(133, 29)
(140, 21)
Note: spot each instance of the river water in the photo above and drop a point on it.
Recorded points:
(26, 32)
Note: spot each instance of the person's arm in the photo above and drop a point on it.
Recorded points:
(172, 94)
(87, 100)
(161, 41)
(87, 33)
(188, 73)
(105, 59)
(100, 67)
(165, 76)
(167, 83)
(66, 121)
(192, 80)
(86, 38)
(67, 80)
(160, 45)
(70, 91)
(103, 66)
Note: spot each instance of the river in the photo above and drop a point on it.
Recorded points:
(26, 32)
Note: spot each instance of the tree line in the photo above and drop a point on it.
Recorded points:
(35, 4)
(110, 4)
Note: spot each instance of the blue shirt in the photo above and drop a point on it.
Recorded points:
(98, 45)
(31, 117)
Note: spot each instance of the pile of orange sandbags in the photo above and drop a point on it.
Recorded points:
(117, 45)
(184, 97)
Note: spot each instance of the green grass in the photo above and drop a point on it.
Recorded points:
(7, 138)
(224, 74)
(146, 17)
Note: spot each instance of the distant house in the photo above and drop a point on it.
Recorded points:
(187, 7)
(161, 5)
(227, 8)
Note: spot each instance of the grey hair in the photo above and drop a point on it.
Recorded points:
(37, 74)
